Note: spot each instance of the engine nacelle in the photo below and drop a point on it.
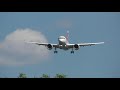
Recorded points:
(49, 46)
(76, 46)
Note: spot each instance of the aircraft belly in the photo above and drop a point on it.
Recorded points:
(65, 48)
(63, 45)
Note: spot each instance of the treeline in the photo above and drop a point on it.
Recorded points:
(23, 75)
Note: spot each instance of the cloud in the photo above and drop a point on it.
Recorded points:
(14, 51)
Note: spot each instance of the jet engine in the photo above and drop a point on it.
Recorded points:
(49, 46)
(76, 46)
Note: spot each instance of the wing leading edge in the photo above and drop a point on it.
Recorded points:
(44, 44)
(84, 44)
(89, 44)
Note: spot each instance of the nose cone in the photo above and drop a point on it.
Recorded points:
(62, 40)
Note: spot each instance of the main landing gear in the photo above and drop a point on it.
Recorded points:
(72, 51)
(55, 51)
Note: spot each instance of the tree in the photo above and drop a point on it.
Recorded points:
(45, 76)
(60, 76)
(22, 75)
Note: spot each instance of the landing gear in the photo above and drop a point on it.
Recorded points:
(55, 51)
(72, 51)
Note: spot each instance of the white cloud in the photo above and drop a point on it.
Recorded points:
(14, 51)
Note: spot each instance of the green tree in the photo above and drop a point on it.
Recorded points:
(60, 76)
(45, 76)
(22, 75)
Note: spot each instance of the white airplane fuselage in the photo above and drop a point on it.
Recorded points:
(63, 42)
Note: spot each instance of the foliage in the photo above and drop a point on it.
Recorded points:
(22, 75)
(60, 76)
(45, 76)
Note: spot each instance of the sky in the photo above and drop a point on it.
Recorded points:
(99, 61)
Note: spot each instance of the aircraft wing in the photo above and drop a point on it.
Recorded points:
(89, 44)
(38, 43)
(44, 44)
(84, 44)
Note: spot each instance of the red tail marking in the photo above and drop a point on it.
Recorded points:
(67, 36)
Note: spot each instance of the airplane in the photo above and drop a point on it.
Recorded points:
(64, 44)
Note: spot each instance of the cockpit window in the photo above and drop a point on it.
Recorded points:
(61, 37)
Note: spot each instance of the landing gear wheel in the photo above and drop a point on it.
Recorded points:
(55, 51)
(72, 51)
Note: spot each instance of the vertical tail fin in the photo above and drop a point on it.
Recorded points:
(67, 36)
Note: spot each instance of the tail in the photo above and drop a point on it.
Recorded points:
(67, 36)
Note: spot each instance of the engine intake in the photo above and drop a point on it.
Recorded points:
(49, 46)
(76, 46)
